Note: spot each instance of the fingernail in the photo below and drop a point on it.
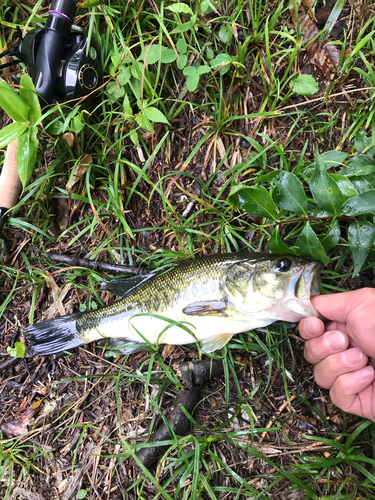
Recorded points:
(352, 356)
(335, 341)
(310, 328)
(365, 373)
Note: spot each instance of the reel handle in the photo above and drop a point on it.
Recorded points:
(10, 183)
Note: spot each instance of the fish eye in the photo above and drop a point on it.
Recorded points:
(284, 265)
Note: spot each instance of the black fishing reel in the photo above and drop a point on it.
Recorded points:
(59, 62)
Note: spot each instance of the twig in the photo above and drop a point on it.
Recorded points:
(70, 260)
(177, 421)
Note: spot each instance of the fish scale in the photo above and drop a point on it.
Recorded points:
(208, 299)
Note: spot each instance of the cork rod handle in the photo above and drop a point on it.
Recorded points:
(10, 183)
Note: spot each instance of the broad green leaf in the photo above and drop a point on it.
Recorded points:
(324, 189)
(201, 70)
(168, 55)
(181, 45)
(276, 244)
(192, 81)
(78, 123)
(9, 133)
(56, 127)
(134, 138)
(181, 63)
(364, 144)
(190, 70)
(309, 244)
(331, 239)
(26, 154)
(334, 158)
(154, 115)
(361, 236)
(151, 54)
(127, 108)
(114, 90)
(181, 28)
(305, 85)
(359, 165)
(290, 195)
(123, 75)
(362, 204)
(253, 200)
(225, 33)
(30, 97)
(12, 103)
(345, 185)
(221, 61)
(180, 8)
(144, 122)
(361, 185)
(18, 351)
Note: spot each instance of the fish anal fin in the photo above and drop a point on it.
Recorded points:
(118, 346)
(125, 286)
(206, 308)
(211, 344)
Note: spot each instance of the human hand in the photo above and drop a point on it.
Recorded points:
(341, 349)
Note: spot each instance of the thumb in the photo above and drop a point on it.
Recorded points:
(337, 306)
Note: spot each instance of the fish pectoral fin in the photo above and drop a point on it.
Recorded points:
(215, 342)
(118, 346)
(206, 308)
(125, 286)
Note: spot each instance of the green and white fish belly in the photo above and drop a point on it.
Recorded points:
(208, 300)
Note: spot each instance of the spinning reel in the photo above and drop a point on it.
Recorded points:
(61, 68)
(57, 59)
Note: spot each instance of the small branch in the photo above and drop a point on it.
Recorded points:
(177, 421)
(194, 375)
(105, 267)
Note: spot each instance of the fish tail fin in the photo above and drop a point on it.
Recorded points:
(53, 335)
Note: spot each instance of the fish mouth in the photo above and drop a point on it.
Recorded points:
(307, 283)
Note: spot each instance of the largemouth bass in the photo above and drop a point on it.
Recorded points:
(207, 299)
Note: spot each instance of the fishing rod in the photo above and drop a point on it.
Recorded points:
(62, 68)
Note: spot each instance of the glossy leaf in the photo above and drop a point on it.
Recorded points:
(9, 133)
(361, 236)
(254, 200)
(276, 244)
(364, 144)
(222, 61)
(290, 195)
(361, 184)
(12, 103)
(26, 154)
(309, 244)
(359, 165)
(345, 185)
(361, 204)
(30, 97)
(324, 189)
(331, 239)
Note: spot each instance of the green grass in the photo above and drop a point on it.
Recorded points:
(221, 157)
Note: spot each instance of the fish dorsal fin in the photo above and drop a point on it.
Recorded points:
(206, 308)
(125, 286)
(211, 344)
